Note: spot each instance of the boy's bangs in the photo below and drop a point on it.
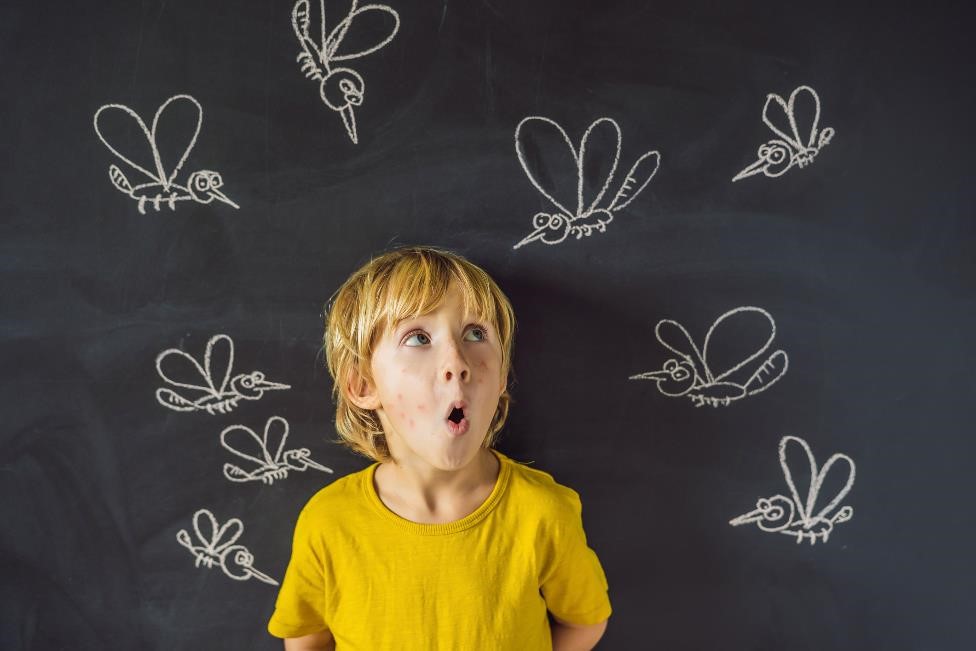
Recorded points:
(416, 288)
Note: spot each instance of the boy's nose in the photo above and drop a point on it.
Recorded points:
(455, 365)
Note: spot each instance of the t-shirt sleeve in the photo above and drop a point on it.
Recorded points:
(300, 607)
(574, 584)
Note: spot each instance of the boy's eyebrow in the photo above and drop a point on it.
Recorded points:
(406, 321)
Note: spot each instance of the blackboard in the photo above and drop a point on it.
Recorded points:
(861, 258)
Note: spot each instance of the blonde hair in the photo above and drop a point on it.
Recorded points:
(400, 284)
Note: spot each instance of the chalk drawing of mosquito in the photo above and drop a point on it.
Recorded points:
(585, 218)
(692, 376)
(209, 387)
(214, 547)
(202, 186)
(270, 460)
(340, 88)
(777, 156)
(795, 515)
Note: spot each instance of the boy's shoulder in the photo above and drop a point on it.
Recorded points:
(337, 496)
(529, 487)
(535, 486)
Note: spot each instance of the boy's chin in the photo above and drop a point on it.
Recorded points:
(453, 454)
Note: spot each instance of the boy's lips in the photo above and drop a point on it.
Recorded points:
(457, 429)
(457, 404)
(457, 426)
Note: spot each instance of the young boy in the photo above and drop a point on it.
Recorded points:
(443, 542)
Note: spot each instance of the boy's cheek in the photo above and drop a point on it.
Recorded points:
(398, 407)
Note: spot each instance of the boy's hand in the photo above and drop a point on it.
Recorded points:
(574, 637)
(321, 641)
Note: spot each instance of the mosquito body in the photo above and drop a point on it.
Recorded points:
(792, 147)
(341, 88)
(267, 456)
(795, 515)
(214, 547)
(202, 186)
(209, 387)
(586, 218)
(691, 376)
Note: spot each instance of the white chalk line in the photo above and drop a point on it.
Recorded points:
(691, 376)
(791, 149)
(586, 217)
(266, 456)
(202, 186)
(217, 391)
(797, 515)
(340, 88)
(214, 547)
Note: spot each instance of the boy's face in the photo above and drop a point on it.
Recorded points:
(425, 367)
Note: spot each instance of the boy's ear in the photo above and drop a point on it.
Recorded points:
(361, 392)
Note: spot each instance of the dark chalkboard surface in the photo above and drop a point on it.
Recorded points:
(850, 245)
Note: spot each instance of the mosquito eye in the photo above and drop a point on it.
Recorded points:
(774, 153)
(201, 182)
(216, 181)
(539, 220)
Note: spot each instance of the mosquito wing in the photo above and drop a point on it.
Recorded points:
(638, 177)
(218, 361)
(737, 338)
(245, 443)
(542, 147)
(179, 369)
(99, 122)
(275, 436)
(371, 12)
(797, 463)
(842, 492)
(594, 162)
(176, 402)
(216, 539)
(781, 116)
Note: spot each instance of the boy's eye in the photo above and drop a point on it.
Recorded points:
(481, 333)
(422, 339)
(425, 339)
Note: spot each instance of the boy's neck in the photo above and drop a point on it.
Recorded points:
(431, 496)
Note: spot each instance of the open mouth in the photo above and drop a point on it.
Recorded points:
(457, 415)
(457, 422)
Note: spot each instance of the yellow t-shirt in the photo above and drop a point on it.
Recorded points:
(378, 581)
